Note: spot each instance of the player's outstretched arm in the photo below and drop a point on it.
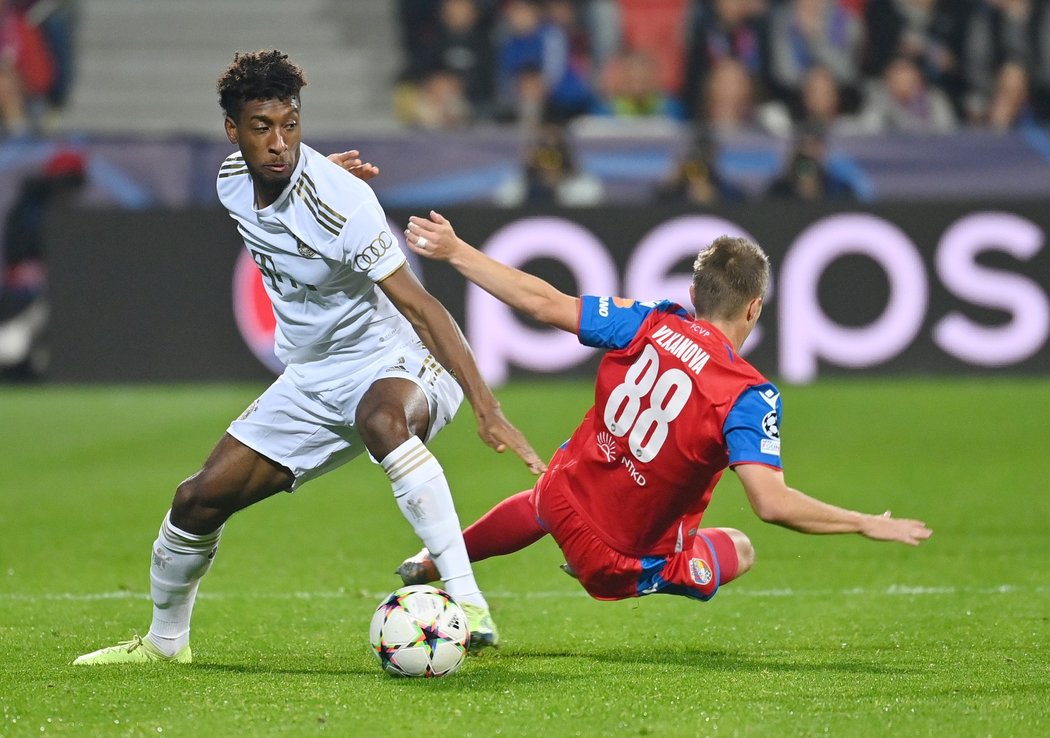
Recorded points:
(350, 161)
(435, 238)
(774, 502)
(446, 342)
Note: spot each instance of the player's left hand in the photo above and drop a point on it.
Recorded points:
(885, 527)
(351, 162)
(498, 433)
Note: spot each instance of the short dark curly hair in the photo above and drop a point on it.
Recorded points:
(258, 75)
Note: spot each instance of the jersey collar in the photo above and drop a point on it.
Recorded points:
(287, 191)
(720, 336)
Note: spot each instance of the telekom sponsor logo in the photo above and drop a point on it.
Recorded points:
(254, 314)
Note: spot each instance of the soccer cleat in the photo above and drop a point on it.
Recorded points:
(419, 569)
(136, 651)
(568, 570)
(483, 632)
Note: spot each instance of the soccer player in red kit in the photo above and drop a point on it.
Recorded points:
(675, 405)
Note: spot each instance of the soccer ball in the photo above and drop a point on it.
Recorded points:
(419, 631)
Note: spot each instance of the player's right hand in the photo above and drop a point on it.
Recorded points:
(433, 237)
(350, 162)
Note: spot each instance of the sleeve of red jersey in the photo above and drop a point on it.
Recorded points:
(613, 322)
(752, 427)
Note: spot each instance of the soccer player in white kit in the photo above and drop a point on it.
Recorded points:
(374, 362)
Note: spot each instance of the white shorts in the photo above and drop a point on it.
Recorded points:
(311, 433)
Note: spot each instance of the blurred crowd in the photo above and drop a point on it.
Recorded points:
(36, 63)
(782, 66)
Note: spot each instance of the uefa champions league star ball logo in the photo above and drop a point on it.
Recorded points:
(769, 425)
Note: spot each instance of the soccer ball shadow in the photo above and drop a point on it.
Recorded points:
(708, 659)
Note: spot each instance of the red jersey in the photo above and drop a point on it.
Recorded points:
(641, 466)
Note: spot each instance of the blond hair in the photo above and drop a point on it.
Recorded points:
(727, 275)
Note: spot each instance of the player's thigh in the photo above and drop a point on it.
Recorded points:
(306, 433)
(602, 571)
(233, 477)
(713, 559)
(442, 391)
(391, 411)
(744, 550)
(605, 573)
(413, 394)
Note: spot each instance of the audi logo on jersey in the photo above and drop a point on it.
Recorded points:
(372, 253)
(251, 305)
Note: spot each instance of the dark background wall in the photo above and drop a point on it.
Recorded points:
(146, 296)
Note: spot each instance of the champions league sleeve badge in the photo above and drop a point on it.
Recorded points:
(771, 443)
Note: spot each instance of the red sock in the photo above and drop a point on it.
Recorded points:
(508, 527)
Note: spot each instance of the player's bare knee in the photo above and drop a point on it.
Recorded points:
(383, 427)
(745, 552)
(391, 412)
(196, 508)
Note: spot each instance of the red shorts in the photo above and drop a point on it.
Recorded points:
(607, 574)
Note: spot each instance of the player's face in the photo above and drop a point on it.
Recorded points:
(267, 132)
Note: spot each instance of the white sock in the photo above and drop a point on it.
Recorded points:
(425, 500)
(178, 562)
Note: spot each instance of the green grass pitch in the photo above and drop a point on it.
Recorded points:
(827, 635)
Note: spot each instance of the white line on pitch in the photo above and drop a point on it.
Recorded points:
(894, 590)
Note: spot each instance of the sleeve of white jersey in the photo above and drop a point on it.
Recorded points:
(369, 246)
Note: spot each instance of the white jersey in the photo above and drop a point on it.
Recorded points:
(321, 248)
